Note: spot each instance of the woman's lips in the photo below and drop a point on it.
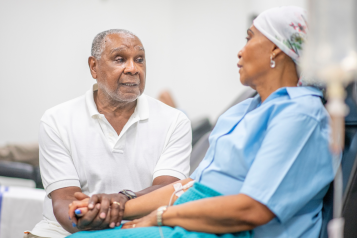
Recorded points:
(239, 65)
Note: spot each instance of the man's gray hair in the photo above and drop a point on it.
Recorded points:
(99, 42)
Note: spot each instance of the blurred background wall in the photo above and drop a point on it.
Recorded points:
(191, 49)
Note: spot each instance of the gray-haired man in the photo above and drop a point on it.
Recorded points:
(112, 138)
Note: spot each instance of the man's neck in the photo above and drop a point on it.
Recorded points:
(111, 108)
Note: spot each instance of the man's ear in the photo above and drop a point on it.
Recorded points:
(92, 63)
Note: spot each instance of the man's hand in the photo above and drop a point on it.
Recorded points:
(104, 210)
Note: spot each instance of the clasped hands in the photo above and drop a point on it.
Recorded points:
(103, 211)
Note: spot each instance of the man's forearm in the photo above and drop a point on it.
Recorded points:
(60, 209)
(149, 189)
(158, 182)
(61, 198)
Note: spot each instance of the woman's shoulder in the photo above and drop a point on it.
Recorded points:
(301, 101)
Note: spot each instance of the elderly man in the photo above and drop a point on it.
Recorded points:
(110, 140)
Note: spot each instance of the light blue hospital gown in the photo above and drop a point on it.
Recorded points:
(277, 153)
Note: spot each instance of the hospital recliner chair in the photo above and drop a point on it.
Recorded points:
(21, 170)
(200, 128)
(349, 171)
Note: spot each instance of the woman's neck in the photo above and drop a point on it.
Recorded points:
(277, 78)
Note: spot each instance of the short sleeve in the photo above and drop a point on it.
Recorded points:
(175, 158)
(291, 167)
(57, 168)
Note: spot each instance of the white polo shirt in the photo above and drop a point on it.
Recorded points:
(79, 147)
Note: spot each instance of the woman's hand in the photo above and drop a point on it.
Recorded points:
(146, 221)
(82, 205)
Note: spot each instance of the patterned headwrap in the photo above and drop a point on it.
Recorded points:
(287, 28)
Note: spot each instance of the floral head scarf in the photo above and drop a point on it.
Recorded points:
(287, 28)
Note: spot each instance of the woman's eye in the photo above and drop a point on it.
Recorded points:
(247, 38)
(119, 59)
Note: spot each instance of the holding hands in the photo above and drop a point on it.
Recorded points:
(97, 212)
(101, 211)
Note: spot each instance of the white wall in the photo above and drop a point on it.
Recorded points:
(257, 6)
(191, 48)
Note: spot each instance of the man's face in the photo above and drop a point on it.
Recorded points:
(121, 70)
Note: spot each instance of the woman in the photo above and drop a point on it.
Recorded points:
(268, 155)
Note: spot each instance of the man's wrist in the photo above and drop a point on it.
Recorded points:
(128, 193)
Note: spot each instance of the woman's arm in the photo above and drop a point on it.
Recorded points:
(224, 214)
(147, 203)
(134, 208)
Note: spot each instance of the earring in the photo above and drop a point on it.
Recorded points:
(272, 62)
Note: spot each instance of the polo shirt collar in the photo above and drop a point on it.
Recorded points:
(141, 109)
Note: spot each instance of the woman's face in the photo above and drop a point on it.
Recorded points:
(254, 58)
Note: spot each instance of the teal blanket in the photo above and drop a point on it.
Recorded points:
(198, 191)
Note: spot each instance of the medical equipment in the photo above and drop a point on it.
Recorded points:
(179, 190)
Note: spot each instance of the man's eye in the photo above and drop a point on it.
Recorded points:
(119, 59)
(140, 60)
